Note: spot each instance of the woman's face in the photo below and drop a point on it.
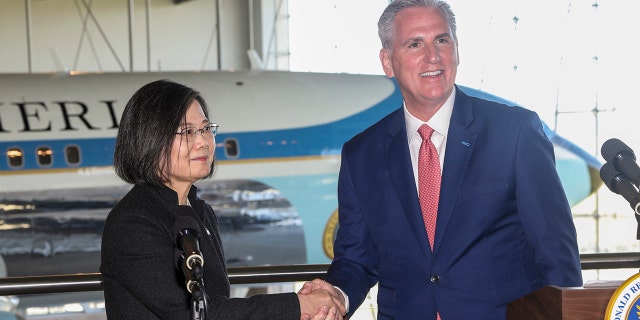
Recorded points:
(191, 157)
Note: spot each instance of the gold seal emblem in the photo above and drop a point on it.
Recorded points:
(625, 302)
(329, 235)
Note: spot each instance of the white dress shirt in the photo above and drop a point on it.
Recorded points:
(439, 122)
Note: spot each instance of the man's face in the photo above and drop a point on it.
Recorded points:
(423, 57)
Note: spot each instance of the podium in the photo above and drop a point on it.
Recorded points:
(556, 303)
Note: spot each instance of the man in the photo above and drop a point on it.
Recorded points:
(503, 226)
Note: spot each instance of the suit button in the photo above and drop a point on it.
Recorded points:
(435, 278)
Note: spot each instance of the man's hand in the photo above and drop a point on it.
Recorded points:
(316, 285)
(321, 304)
(323, 314)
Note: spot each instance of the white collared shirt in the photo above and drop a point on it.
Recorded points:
(439, 122)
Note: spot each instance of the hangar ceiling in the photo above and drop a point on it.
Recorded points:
(142, 35)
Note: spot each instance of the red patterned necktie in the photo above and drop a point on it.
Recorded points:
(429, 177)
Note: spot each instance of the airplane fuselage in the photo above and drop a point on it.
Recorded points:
(277, 154)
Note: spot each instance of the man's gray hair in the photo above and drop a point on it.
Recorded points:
(385, 24)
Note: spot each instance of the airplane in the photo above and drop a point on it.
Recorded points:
(277, 152)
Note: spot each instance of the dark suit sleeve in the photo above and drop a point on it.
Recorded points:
(354, 268)
(543, 208)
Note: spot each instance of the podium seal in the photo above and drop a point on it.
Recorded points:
(625, 304)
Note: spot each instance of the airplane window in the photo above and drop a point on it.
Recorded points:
(231, 148)
(15, 157)
(72, 154)
(45, 156)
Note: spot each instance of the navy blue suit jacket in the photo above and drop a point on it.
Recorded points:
(504, 225)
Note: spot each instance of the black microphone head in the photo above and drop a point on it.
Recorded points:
(613, 147)
(619, 183)
(184, 228)
(608, 174)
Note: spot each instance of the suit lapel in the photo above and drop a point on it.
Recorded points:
(398, 162)
(460, 144)
(461, 140)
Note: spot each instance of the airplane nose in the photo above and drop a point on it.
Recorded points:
(596, 181)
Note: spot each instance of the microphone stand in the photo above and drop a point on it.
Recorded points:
(198, 303)
(195, 285)
(191, 263)
(638, 228)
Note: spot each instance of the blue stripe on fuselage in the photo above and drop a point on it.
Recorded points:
(324, 139)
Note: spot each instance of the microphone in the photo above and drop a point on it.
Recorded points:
(189, 260)
(188, 242)
(621, 158)
(620, 184)
(189, 279)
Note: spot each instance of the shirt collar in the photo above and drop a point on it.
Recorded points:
(439, 122)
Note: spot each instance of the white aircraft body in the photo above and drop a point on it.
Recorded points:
(277, 153)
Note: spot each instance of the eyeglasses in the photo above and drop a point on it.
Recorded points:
(207, 131)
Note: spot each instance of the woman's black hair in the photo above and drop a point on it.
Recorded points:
(148, 129)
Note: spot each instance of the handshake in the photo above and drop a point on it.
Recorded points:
(319, 300)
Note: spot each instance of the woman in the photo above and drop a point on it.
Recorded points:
(165, 143)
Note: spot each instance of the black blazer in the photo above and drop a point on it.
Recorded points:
(140, 277)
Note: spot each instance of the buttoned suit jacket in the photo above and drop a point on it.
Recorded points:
(504, 226)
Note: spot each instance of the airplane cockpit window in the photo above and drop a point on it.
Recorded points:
(231, 148)
(45, 156)
(72, 154)
(15, 156)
